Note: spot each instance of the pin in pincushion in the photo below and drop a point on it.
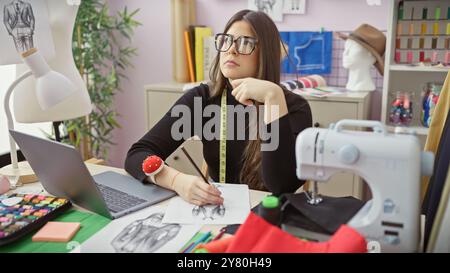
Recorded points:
(152, 165)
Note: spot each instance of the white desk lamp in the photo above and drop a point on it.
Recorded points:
(51, 88)
(32, 105)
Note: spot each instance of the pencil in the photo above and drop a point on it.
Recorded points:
(199, 241)
(195, 166)
(186, 248)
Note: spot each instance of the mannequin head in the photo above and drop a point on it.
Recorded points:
(356, 56)
(358, 60)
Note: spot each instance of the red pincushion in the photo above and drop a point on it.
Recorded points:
(152, 165)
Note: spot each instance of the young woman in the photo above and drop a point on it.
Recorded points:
(247, 69)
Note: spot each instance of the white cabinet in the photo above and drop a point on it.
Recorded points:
(160, 97)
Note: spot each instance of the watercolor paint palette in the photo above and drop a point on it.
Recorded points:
(21, 214)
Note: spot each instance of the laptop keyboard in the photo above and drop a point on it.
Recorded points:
(118, 200)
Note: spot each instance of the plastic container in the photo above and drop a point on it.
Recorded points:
(401, 112)
(430, 98)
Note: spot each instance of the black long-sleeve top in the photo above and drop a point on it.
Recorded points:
(277, 166)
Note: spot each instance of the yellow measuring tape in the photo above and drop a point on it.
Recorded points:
(223, 138)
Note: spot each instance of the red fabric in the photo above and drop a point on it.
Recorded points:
(258, 236)
(218, 246)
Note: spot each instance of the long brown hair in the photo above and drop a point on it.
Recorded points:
(269, 44)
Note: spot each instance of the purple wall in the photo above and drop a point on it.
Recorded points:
(153, 41)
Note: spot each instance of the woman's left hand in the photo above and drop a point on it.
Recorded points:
(250, 89)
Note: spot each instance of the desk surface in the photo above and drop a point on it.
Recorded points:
(255, 196)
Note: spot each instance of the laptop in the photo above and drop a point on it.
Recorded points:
(62, 172)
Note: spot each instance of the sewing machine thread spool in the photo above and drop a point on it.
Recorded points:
(270, 210)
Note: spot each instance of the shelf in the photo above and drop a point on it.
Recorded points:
(421, 35)
(425, 20)
(404, 67)
(422, 49)
(422, 131)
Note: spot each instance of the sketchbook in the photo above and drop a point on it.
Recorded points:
(140, 232)
(234, 210)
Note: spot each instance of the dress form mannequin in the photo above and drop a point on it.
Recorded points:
(358, 60)
(62, 15)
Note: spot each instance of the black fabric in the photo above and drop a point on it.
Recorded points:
(324, 218)
(277, 167)
(437, 180)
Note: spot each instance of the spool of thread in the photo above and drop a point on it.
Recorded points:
(447, 43)
(399, 29)
(434, 57)
(434, 43)
(398, 43)
(409, 43)
(437, 13)
(447, 57)
(270, 210)
(409, 57)
(436, 29)
(411, 29)
(424, 29)
(424, 13)
(421, 43)
(400, 11)
(448, 29)
(422, 56)
(397, 57)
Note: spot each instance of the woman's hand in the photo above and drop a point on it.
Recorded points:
(271, 95)
(195, 191)
(248, 89)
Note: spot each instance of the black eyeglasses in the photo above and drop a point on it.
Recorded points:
(244, 44)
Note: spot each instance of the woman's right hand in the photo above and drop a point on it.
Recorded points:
(195, 191)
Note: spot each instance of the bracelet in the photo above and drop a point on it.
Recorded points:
(173, 180)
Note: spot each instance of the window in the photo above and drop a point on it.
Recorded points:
(7, 76)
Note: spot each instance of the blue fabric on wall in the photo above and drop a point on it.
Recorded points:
(310, 52)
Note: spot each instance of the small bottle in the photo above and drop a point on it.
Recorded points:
(269, 209)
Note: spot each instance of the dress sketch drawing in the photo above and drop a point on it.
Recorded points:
(19, 21)
(211, 212)
(265, 5)
(145, 235)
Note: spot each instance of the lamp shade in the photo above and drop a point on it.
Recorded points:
(27, 107)
(51, 87)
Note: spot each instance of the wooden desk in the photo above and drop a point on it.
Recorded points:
(255, 196)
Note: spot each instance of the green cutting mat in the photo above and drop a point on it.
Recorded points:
(90, 224)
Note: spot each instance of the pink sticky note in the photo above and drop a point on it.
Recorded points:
(56, 232)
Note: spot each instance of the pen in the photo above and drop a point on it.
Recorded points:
(195, 166)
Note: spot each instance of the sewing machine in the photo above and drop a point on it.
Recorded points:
(391, 164)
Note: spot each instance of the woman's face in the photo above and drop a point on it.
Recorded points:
(234, 65)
